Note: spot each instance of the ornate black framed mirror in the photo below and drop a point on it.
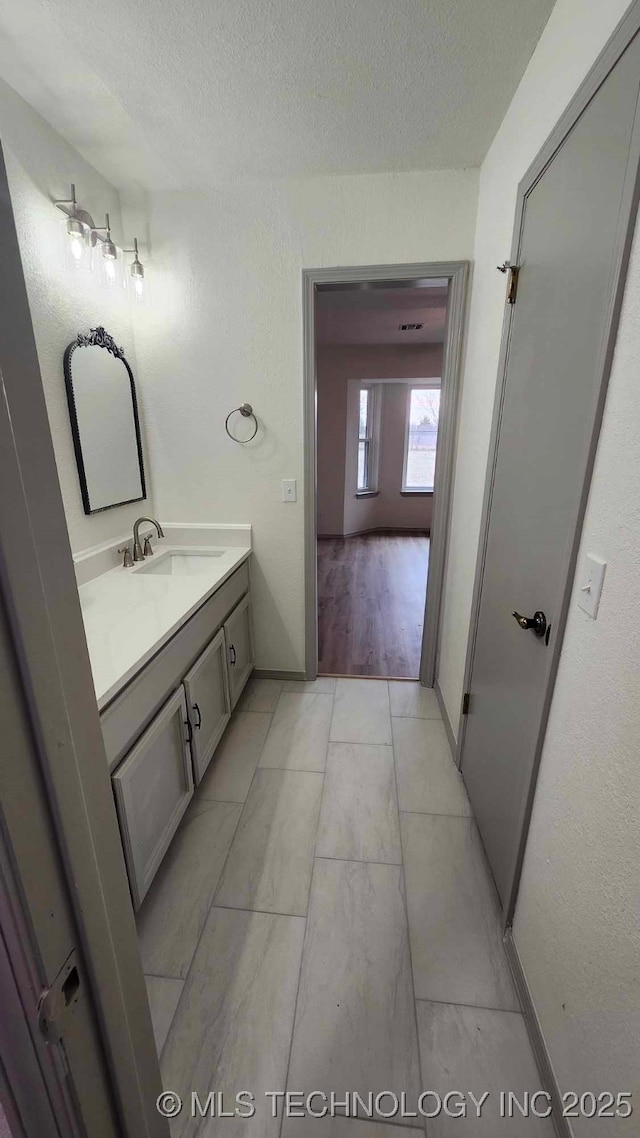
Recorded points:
(103, 409)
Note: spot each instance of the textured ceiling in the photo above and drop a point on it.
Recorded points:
(356, 316)
(170, 94)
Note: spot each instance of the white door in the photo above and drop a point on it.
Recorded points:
(59, 824)
(51, 1083)
(238, 635)
(573, 232)
(153, 787)
(208, 703)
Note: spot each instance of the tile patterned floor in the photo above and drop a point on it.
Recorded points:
(325, 921)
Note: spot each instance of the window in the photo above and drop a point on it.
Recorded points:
(423, 413)
(366, 439)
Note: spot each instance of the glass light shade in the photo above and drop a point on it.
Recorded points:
(137, 284)
(76, 245)
(111, 269)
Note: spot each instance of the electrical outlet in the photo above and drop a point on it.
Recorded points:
(289, 492)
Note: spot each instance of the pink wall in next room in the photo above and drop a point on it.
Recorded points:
(339, 511)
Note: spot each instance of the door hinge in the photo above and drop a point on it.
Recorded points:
(57, 1003)
(512, 272)
(466, 701)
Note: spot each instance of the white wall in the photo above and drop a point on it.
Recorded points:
(40, 167)
(576, 924)
(226, 326)
(331, 410)
(573, 38)
(339, 511)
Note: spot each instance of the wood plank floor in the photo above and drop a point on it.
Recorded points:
(371, 595)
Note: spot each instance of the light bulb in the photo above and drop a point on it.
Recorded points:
(76, 248)
(110, 268)
(138, 285)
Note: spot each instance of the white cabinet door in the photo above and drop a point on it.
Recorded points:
(153, 787)
(207, 702)
(238, 635)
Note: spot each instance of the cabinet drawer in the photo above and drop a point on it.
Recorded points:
(130, 711)
(207, 692)
(153, 787)
(238, 635)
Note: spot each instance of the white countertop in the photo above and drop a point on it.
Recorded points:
(128, 615)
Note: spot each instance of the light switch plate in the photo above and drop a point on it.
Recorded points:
(289, 491)
(591, 581)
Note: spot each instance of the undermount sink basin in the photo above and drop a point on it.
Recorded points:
(181, 564)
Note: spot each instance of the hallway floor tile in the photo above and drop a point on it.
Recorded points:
(176, 906)
(361, 712)
(229, 774)
(359, 817)
(379, 964)
(485, 1050)
(428, 781)
(232, 1029)
(456, 940)
(299, 732)
(411, 700)
(355, 1026)
(271, 856)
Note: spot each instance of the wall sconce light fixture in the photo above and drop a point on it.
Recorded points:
(136, 269)
(77, 233)
(83, 236)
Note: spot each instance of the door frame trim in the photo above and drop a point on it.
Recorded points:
(618, 43)
(457, 273)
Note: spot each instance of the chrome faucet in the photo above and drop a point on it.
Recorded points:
(138, 554)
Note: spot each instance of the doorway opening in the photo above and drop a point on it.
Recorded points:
(383, 348)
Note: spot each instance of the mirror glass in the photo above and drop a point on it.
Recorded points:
(104, 421)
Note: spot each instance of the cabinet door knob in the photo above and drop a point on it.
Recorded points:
(232, 655)
(197, 725)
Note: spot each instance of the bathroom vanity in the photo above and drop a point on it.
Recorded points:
(168, 630)
(171, 648)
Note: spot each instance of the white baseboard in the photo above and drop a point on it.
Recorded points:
(445, 718)
(419, 531)
(536, 1038)
(276, 674)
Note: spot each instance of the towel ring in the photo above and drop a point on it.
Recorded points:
(246, 410)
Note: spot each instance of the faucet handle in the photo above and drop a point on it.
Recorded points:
(147, 551)
(127, 560)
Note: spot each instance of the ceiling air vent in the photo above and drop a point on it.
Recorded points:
(410, 327)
